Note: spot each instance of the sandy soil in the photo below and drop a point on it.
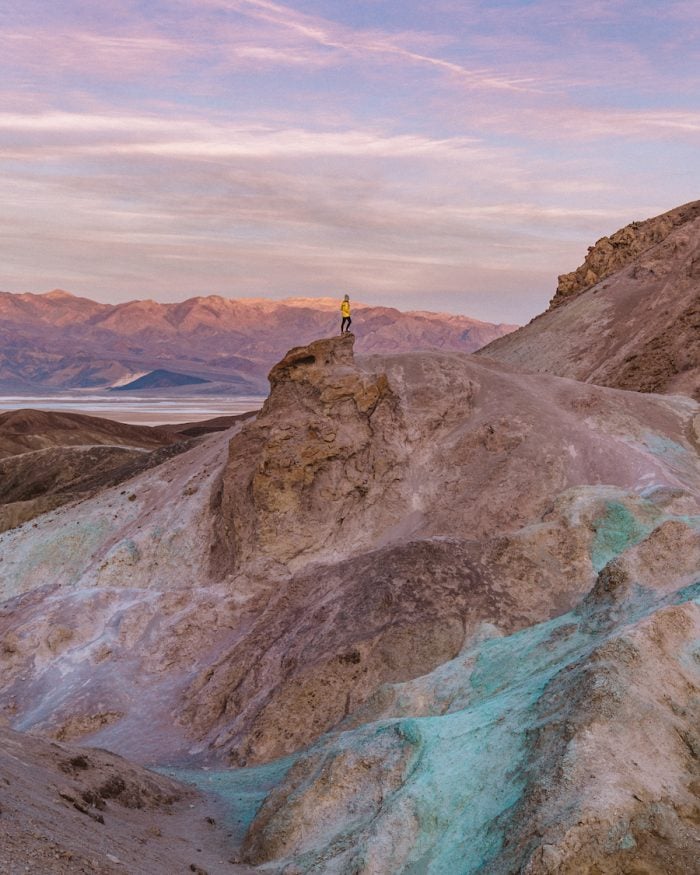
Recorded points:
(73, 811)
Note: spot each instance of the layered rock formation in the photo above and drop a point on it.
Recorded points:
(629, 317)
(404, 620)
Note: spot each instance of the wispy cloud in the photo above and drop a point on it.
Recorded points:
(362, 43)
(99, 54)
(451, 150)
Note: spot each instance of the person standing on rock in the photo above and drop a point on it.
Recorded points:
(345, 310)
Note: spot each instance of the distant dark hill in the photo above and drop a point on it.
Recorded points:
(23, 431)
(58, 341)
(207, 426)
(160, 379)
(48, 459)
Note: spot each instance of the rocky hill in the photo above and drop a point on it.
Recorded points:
(426, 612)
(628, 317)
(59, 341)
(23, 431)
(48, 459)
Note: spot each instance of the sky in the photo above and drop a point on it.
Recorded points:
(451, 155)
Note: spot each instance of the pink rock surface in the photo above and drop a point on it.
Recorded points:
(371, 503)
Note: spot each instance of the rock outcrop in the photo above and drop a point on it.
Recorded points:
(629, 317)
(314, 472)
(404, 620)
(610, 254)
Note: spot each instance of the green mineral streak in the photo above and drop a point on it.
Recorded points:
(665, 447)
(465, 770)
(673, 455)
(58, 557)
(240, 791)
(468, 772)
(617, 530)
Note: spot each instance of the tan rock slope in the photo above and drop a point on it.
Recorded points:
(628, 317)
(401, 621)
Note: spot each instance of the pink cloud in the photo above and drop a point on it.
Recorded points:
(100, 54)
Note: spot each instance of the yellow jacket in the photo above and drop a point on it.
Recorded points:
(345, 309)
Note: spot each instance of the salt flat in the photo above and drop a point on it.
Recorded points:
(150, 410)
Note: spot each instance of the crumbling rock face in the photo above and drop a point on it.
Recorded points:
(317, 465)
(611, 254)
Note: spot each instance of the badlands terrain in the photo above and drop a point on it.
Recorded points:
(427, 612)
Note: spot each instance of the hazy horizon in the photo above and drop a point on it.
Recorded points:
(456, 157)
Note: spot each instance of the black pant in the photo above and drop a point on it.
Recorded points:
(343, 327)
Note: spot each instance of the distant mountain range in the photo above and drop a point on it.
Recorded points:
(58, 341)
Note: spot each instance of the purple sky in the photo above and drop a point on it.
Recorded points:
(444, 155)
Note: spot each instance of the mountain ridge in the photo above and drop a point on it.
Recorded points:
(628, 317)
(57, 340)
